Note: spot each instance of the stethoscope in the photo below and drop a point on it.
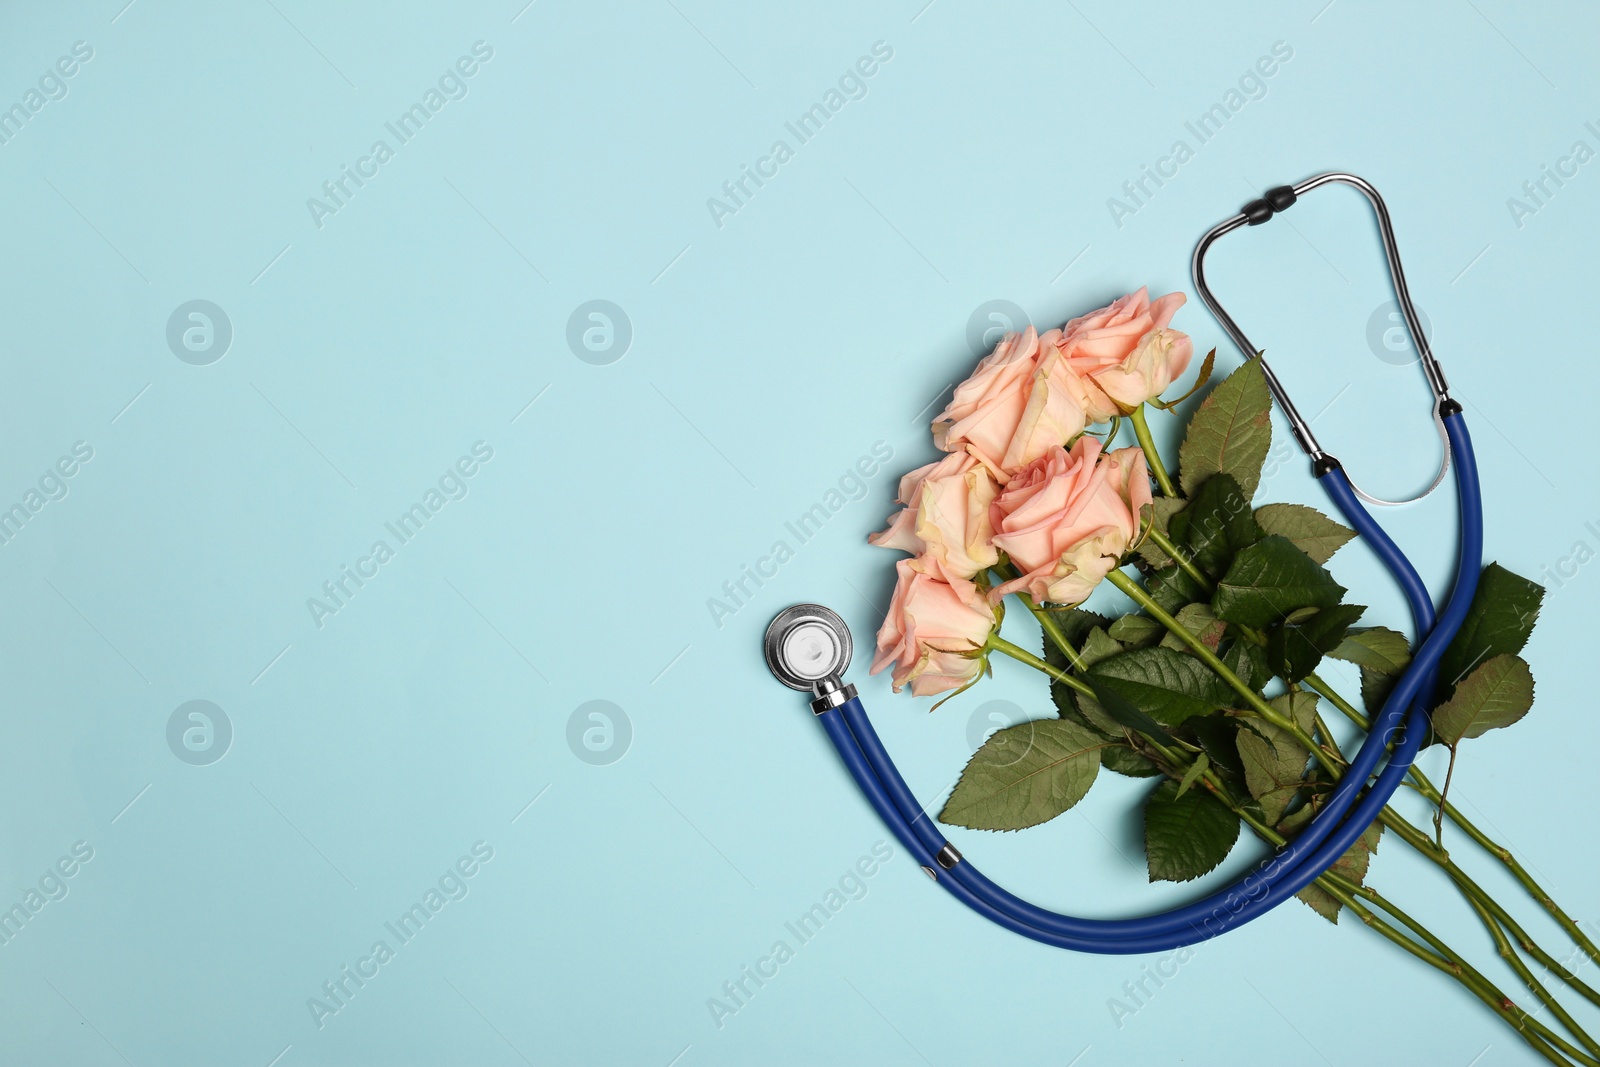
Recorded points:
(808, 647)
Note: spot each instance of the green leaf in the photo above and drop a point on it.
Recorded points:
(1216, 525)
(1300, 708)
(1186, 835)
(1137, 631)
(1499, 621)
(1218, 736)
(1201, 763)
(1248, 661)
(1162, 510)
(1111, 703)
(1269, 580)
(1375, 687)
(1230, 432)
(1198, 620)
(1090, 714)
(1093, 645)
(1168, 686)
(1496, 694)
(1274, 762)
(1172, 588)
(1011, 784)
(1295, 649)
(1098, 645)
(1376, 648)
(1351, 866)
(1311, 531)
(1125, 761)
(1075, 624)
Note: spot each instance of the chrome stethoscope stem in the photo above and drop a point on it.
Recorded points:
(1259, 211)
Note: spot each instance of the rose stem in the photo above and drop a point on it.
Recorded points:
(1500, 852)
(1475, 894)
(1427, 789)
(1022, 655)
(1179, 557)
(1490, 995)
(1448, 961)
(1257, 704)
(1141, 430)
(1485, 907)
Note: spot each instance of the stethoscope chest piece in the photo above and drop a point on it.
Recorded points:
(806, 645)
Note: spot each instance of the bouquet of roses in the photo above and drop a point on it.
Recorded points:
(1211, 685)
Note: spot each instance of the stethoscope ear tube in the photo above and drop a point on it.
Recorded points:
(1403, 719)
(1274, 202)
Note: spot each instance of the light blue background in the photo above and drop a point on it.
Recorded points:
(768, 354)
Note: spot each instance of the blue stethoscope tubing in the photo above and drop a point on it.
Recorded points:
(1402, 721)
(1335, 829)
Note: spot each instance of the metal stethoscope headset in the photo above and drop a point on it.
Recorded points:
(808, 647)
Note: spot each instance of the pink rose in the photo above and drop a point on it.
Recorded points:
(936, 626)
(1124, 351)
(1019, 401)
(946, 515)
(986, 408)
(1067, 518)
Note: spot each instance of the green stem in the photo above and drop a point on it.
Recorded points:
(1047, 623)
(1507, 953)
(1180, 557)
(1491, 913)
(1476, 896)
(1447, 961)
(1541, 1038)
(1500, 852)
(1468, 888)
(1488, 910)
(1257, 704)
(1022, 655)
(1141, 429)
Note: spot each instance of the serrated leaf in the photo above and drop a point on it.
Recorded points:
(1186, 835)
(1092, 645)
(1269, 580)
(1198, 620)
(1248, 661)
(1299, 708)
(1011, 785)
(1089, 712)
(1172, 588)
(1496, 694)
(1129, 715)
(1137, 631)
(1168, 686)
(1274, 762)
(1294, 648)
(1098, 645)
(1376, 648)
(1230, 433)
(1375, 688)
(1351, 866)
(1075, 624)
(1311, 531)
(1215, 526)
(1218, 736)
(1125, 761)
(1503, 611)
(1086, 713)
(1162, 508)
